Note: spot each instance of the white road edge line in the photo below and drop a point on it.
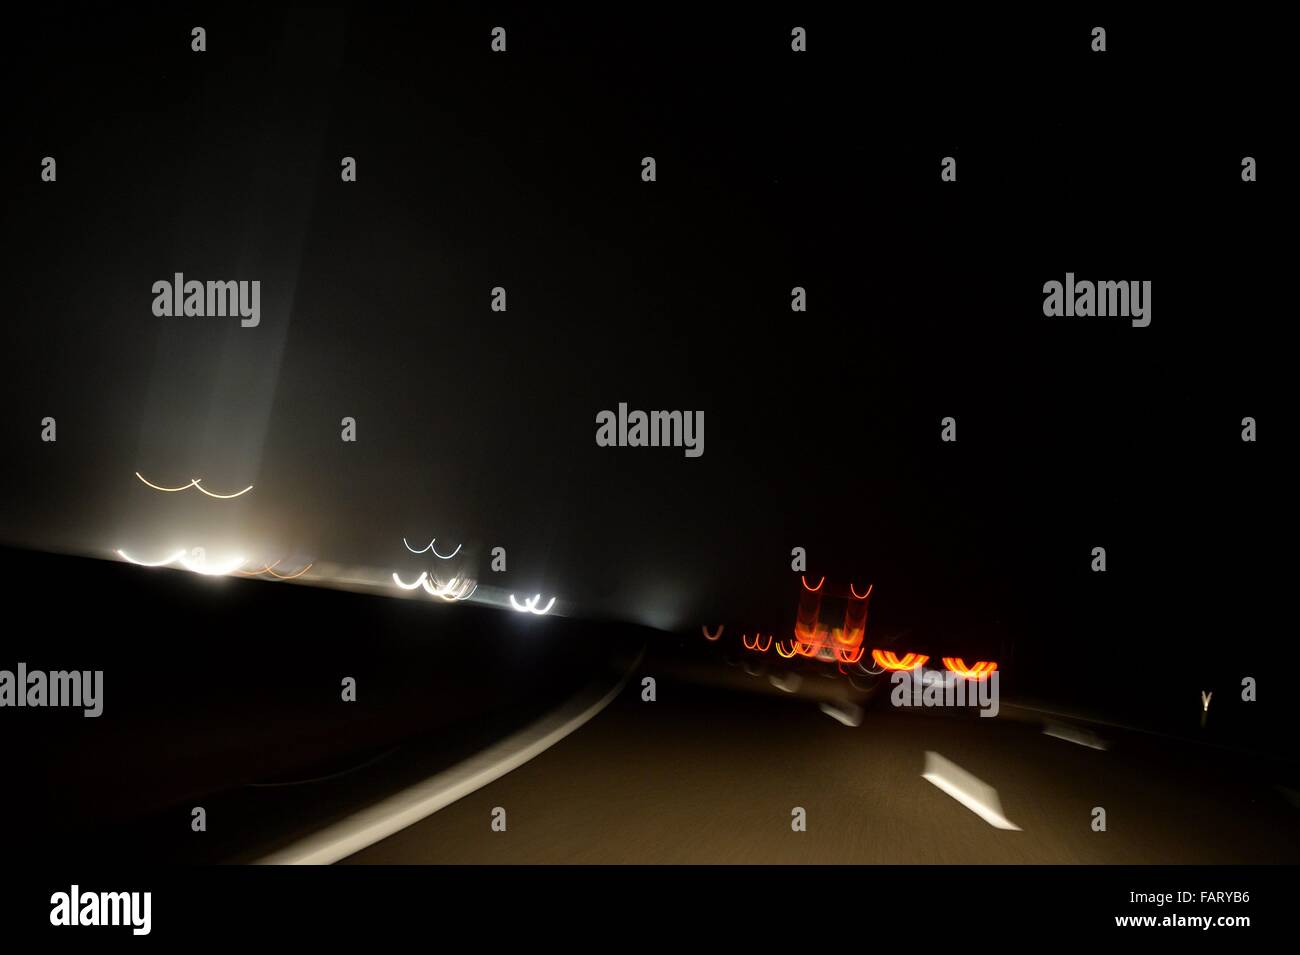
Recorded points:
(979, 797)
(394, 813)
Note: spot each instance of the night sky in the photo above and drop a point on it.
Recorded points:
(774, 170)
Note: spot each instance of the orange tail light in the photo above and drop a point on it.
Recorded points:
(850, 638)
(887, 660)
(978, 672)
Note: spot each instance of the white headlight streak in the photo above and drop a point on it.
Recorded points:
(419, 581)
(530, 605)
(201, 567)
(224, 497)
(431, 549)
(197, 566)
(458, 588)
(194, 483)
(146, 563)
(169, 490)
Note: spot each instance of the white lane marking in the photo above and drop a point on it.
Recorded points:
(787, 684)
(1074, 734)
(979, 797)
(850, 714)
(396, 812)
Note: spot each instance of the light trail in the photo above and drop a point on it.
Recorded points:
(846, 654)
(887, 659)
(454, 589)
(979, 671)
(419, 581)
(145, 563)
(197, 567)
(195, 483)
(530, 605)
(202, 567)
(429, 548)
(851, 638)
(224, 497)
(169, 490)
(271, 570)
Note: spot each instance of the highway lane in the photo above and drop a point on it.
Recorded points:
(243, 718)
(703, 775)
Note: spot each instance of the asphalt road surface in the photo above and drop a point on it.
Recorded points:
(702, 775)
(245, 720)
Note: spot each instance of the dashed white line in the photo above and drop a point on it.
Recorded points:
(977, 796)
(1074, 734)
(850, 714)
